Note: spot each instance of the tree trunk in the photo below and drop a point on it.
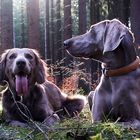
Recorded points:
(23, 32)
(85, 68)
(58, 43)
(33, 24)
(6, 24)
(126, 12)
(67, 20)
(119, 9)
(47, 47)
(113, 9)
(94, 11)
(94, 18)
(52, 31)
(135, 20)
(82, 16)
(67, 28)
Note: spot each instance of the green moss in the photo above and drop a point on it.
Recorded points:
(71, 129)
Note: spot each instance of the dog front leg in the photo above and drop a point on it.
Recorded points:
(95, 106)
(90, 99)
(100, 107)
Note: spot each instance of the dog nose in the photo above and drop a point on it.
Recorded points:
(21, 63)
(66, 44)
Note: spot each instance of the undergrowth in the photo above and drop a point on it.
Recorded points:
(79, 128)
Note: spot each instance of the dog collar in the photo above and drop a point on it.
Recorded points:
(123, 70)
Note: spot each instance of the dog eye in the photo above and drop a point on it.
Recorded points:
(28, 56)
(12, 56)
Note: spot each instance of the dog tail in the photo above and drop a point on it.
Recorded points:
(72, 106)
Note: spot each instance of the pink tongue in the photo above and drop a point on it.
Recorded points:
(21, 85)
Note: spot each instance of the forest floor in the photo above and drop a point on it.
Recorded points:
(79, 128)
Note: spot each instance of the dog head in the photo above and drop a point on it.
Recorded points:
(22, 68)
(102, 37)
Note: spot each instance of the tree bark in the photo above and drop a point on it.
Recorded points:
(94, 11)
(85, 67)
(47, 47)
(94, 18)
(58, 43)
(135, 20)
(119, 9)
(23, 28)
(67, 20)
(67, 28)
(82, 16)
(6, 24)
(52, 33)
(33, 24)
(126, 12)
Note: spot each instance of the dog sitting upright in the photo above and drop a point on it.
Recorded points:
(117, 96)
(30, 95)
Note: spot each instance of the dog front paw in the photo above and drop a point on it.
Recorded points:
(18, 124)
(51, 120)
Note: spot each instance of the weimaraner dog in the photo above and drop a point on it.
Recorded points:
(117, 97)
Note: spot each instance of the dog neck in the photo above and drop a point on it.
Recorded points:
(123, 70)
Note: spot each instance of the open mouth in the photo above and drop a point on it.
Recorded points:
(21, 80)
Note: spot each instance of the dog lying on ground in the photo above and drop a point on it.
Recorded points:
(30, 95)
(117, 97)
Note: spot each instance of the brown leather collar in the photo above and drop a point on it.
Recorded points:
(124, 70)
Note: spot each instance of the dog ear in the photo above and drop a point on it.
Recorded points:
(113, 35)
(3, 65)
(40, 70)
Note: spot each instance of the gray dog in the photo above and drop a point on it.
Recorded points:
(117, 97)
